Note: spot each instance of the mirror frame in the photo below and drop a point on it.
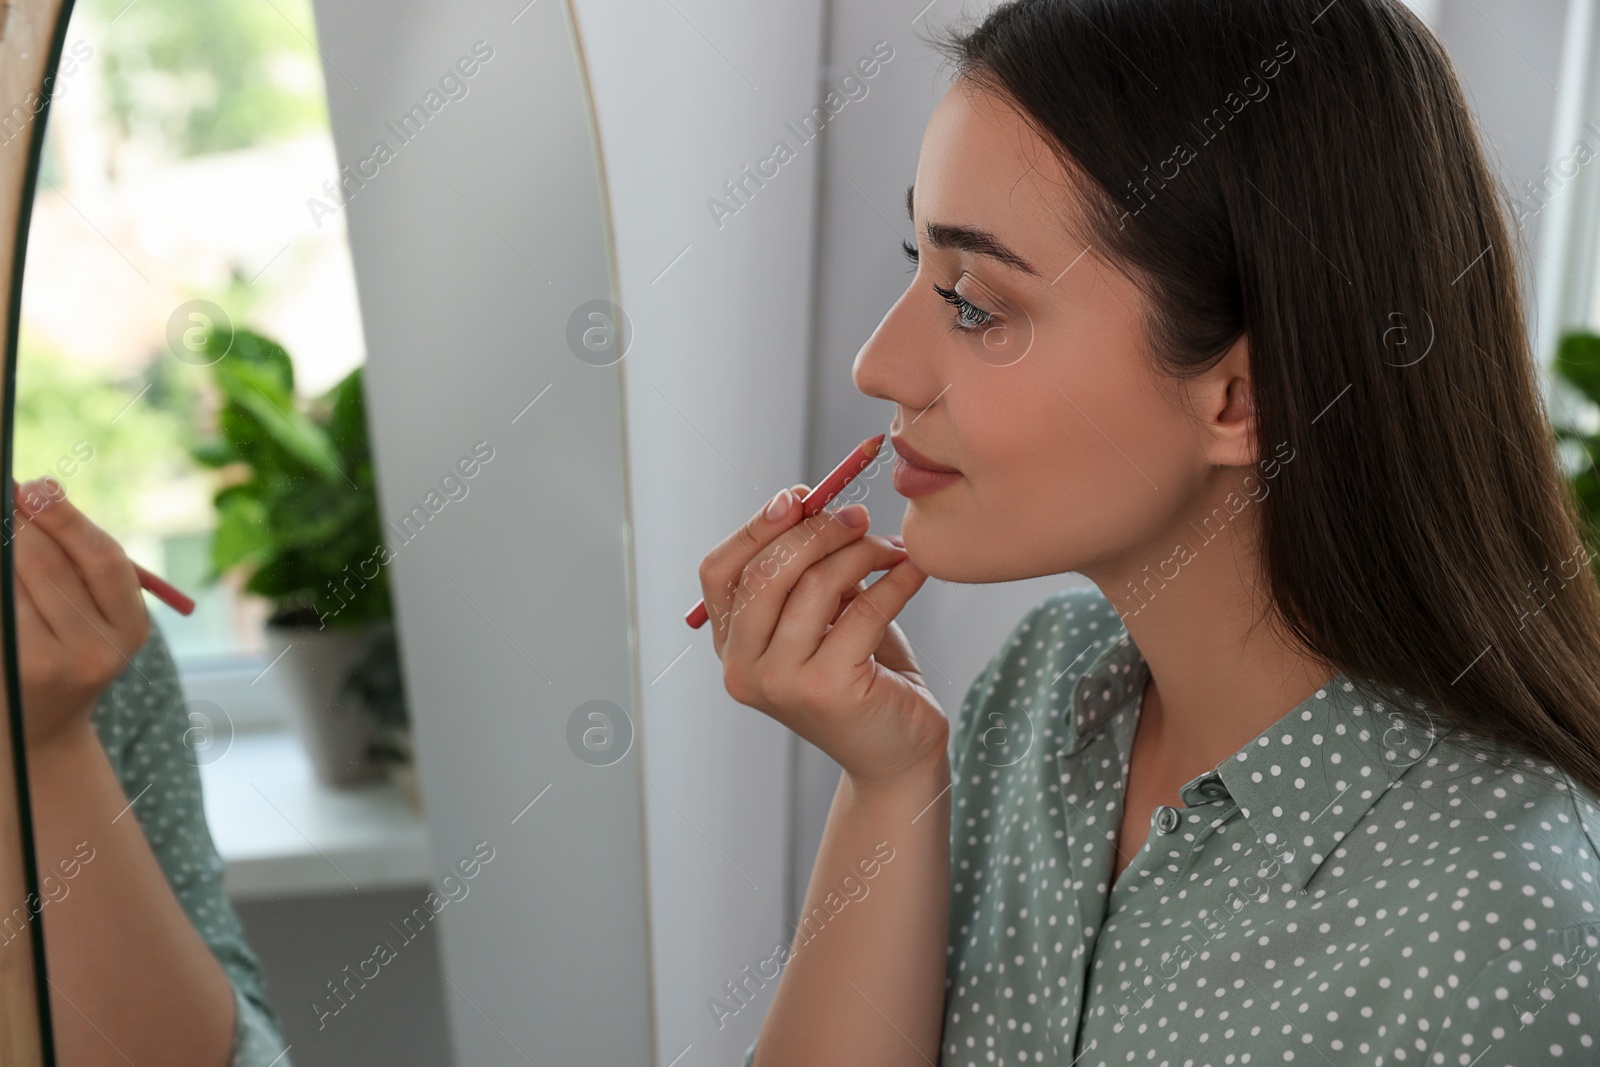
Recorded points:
(32, 33)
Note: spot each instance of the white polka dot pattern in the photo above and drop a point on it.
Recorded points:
(141, 723)
(1354, 886)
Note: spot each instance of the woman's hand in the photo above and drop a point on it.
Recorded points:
(80, 616)
(801, 639)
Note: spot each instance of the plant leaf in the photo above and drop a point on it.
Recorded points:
(241, 534)
(1578, 361)
(288, 429)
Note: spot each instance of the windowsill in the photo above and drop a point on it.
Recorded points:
(248, 688)
(280, 832)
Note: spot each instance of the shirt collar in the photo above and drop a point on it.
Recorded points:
(1304, 782)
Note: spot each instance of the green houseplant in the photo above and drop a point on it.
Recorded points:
(1577, 362)
(298, 515)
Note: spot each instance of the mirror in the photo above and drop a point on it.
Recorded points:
(30, 51)
(258, 817)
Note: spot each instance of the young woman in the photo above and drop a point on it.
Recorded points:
(1214, 305)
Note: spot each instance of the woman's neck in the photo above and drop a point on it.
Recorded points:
(1221, 670)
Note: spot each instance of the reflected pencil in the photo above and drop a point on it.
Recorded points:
(817, 499)
(164, 591)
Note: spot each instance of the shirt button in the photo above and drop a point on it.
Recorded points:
(1166, 819)
(1213, 789)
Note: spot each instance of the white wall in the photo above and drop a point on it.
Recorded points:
(687, 94)
(1508, 54)
(1428, 9)
(473, 248)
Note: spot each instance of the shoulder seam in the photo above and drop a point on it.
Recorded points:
(1572, 800)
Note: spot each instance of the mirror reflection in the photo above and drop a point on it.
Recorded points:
(224, 730)
(220, 779)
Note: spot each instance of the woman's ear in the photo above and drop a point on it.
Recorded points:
(1227, 408)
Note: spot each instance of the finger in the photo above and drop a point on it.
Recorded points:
(849, 594)
(42, 656)
(820, 595)
(31, 496)
(862, 624)
(107, 572)
(32, 626)
(769, 578)
(57, 588)
(723, 566)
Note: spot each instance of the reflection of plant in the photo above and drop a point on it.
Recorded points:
(376, 684)
(302, 518)
(1577, 361)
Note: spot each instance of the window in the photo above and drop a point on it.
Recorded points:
(186, 146)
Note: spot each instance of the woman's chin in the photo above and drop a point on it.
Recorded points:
(973, 557)
(940, 558)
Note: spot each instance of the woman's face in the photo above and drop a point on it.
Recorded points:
(1073, 455)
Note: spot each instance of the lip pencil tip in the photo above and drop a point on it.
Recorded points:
(816, 499)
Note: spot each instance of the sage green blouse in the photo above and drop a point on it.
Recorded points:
(1354, 886)
(144, 727)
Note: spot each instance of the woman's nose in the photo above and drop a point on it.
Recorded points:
(880, 369)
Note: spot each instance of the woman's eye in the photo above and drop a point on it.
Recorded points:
(968, 315)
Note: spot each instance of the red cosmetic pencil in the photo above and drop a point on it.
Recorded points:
(164, 591)
(816, 500)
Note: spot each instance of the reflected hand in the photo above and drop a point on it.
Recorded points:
(803, 640)
(80, 616)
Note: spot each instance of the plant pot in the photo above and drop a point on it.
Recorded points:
(404, 777)
(337, 733)
(394, 750)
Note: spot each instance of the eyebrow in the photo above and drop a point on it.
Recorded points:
(968, 239)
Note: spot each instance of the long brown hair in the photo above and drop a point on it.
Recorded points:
(1308, 174)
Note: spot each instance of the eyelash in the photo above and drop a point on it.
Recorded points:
(969, 316)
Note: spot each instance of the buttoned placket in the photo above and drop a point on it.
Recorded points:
(1098, 762)
(1206, 808)
(1177, 837)
(1256, 830)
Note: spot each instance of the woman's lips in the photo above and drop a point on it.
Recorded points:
(912, 478)
(917, 459)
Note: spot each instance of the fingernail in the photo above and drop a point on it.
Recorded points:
(896, 539)
(855, 515)
(779, 507)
